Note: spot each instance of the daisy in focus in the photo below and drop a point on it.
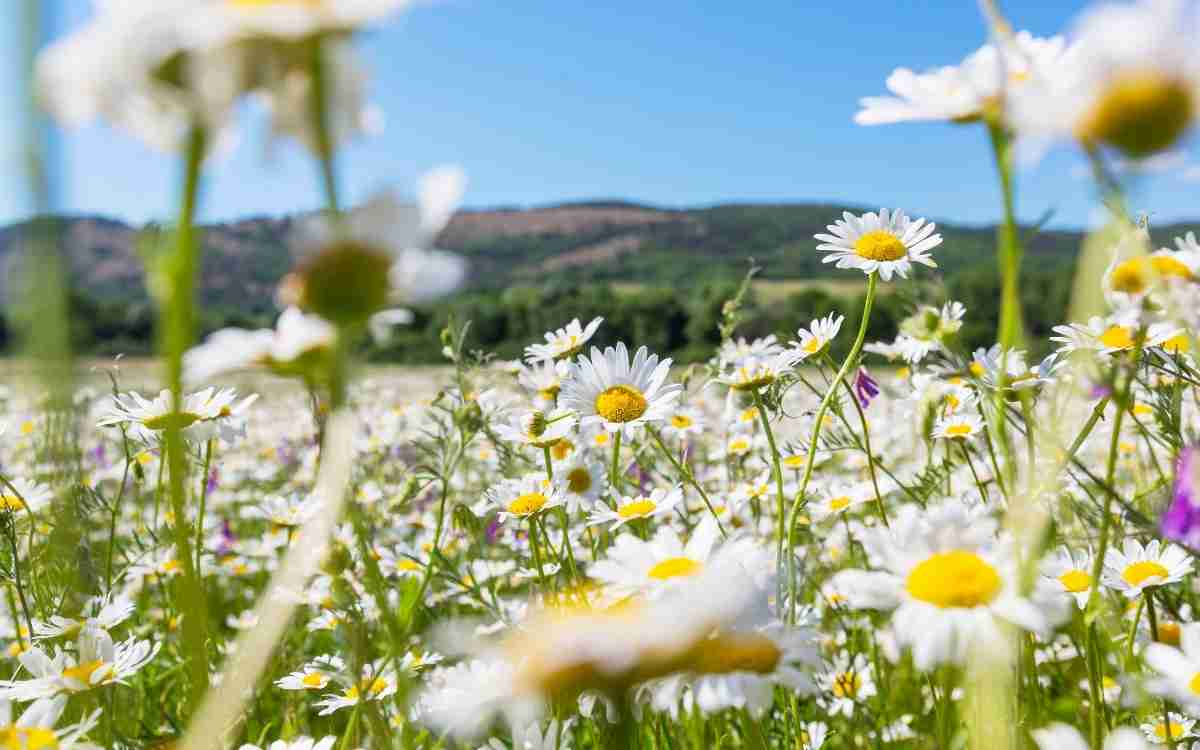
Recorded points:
(887, 243)
(1134, 568)
(610, 390)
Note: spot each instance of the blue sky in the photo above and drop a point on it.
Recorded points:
(671, 102)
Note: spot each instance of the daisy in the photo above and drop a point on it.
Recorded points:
(297, 345)
(1131, 279)
(584, 481)
(1110, 336)
(563, 343)
(999, 368)
(839, 499)
(104, 612)
(685, 422)
(1177, 726)
(543, 379)
(753, 374)
(1178, 668)
(315, 675)
(848, 683)
(885, 242)
(199, 418)
(285, 512)
(1071, 573)
(35, 729)
(538, 429)
(354, 266)
(20, 495)
(817, 336)
(660, 502)
(97, 662)
(634, 566)
(1134, 568)
(1131, 82)
(949, 580)
(964, 92)
(1066, 737)
(609, 390)
(375, 685)
(958, 426)
(525, 497)
(734, 352)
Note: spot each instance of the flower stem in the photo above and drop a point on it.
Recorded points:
(687, 476)
(849, 362)
(322, 129)
(1011, 331)
(614, 475)
(776, 468)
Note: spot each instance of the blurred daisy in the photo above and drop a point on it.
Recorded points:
(97, 661)
(839, 499)
(633, 566)
(887, 243)
(1178, 668)
(958, 426)
(1118, 334)
(609, 390)
(846, 684)
(20, 495)
(35, 728)
(1134, 568)
(543, 379)
(1176, 727)
(563, 343)
(659, 502)
(734, 351)
(584, 481)
(684, 422)
(1067, 737)
(199, 417)
(752, 374)
(296, 346)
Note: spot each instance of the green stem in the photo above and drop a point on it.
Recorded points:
(208, 450)
(850, 360)
(686, 475)
(614, 471)
(323, 131)
(776, 467)
(862, 419)
(1011, 330)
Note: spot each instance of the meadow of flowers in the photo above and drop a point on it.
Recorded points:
(912, 545)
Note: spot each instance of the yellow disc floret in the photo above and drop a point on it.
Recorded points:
(1139, 113)
(531, 502)
(637, 509)
(954, 579)
(880, 246)
(1075, 581)
(674, 567)
(1140, 572)
(621, 403)
(744, 652)
(579, 480)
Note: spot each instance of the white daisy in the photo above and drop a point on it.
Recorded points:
(734, 351)
(1179, 727)
(296, 346)
(302, 742)
(610, 390)
(1178, 668)
(817, 336)
(584, 481)
(563, 343)
(752, 374)
(199, 417)
(1134, 568)
(20, 495)
(1071, 573)
(633, 566)
(838, 499)
(950, 581)
(97, 661)
(1067, 737)
(960, 426)
(35, 729)
(537, 428)
(885, 242)
(522, 498)
(847, 683)
(659, 502)
(543, 380)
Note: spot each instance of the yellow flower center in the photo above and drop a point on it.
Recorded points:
(839, 503)
(171, 566)
(378, 686)
(1140, 572)
(880, 245)
(681, 421)
(11, 502)
(847, 684)
(674, 567)
(28, 738)
(408, 565)
(1140, 113)
(739, 446)
(1194, 684)
(579, 480)
(1075, 581)
(814, 343)
(746, 652)
(530, 502)
(313, 680)
(562, 449)
(83, 672)
(1117, 337)
(976, 369)
(795, 462)
(550, 393)
(601, 438)
(637, 509)
(1160, 730)
(958, 430)
(1169, 633)
(1178, 344)
(954, 579)
(621, 403)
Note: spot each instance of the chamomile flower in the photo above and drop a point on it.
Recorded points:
(374, 685)
(563, 343)
(302, 742)
(633, 566)
(1134, 568)
(102, 612)
(752, 374)
(658, 503)
(684, 422)
(584, 481)
(949, 580)
(887, 243)
(1071, 573)
(315, 675)
(958, 426)
(609, 389)
(817, 336)
(522, 498)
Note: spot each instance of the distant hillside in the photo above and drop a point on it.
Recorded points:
(579, 242)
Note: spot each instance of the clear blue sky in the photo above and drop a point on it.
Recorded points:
(671, 102)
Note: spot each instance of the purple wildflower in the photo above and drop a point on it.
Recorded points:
(866, 388)
(1181, 522)
(228, 538)
(493, 530)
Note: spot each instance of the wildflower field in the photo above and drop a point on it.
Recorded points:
(257, 541)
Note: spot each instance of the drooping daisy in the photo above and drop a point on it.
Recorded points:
(633, 566)
(1134, 568)
(1071, 572)
(887, 243)
(563, 343)
(659, 502)
(537, 428)
(817, 336)
(621, 395)
(967, 91)
(958, 426)
(950, 581)
(524, 497)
